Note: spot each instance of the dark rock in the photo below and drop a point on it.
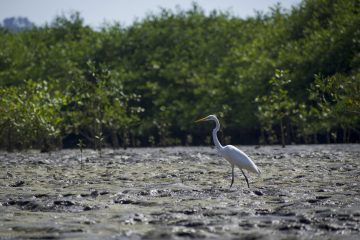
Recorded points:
(94, 193)
(23, 204)
(187, 234)
(290, 227)
(312, 200)
(329, 227)
(246, 225)
(17, 184)
(259, 193)
(41, 195)
(88, 208)
(64, 203)
(194, 224)
(322, 197)
(104, 192)
(68, 194)
(304, 220)
(124, 201)
(299, 176)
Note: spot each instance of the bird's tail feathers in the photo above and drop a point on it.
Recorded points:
(258, 171)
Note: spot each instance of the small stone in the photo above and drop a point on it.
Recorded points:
(104, 192)
(94, 193)
(259, 193)
(304, 220)
(17, 183)
(87, 208)
(64, 203)
(123, 201)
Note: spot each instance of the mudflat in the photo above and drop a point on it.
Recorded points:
(305, 191)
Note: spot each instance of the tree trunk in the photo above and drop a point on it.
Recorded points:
(124, 139)
(262, 137)
(348, 135)
(9, 141)
(114, 139)
(328, 137)
(133, 141)
(289, 132)
(282, 133)
(306, 139)
(315, 139)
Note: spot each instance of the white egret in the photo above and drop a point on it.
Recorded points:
(233, 155)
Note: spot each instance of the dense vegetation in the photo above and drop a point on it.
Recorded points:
(281, 77)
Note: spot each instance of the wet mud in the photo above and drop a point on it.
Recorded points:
(181, 193)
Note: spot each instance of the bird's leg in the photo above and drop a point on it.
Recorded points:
(247, 181)
(232, 178)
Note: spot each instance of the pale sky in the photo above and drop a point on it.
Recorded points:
(96, 12)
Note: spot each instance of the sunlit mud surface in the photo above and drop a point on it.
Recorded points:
(181, 193)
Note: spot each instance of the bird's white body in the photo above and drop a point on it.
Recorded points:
(238, 158)
(233, 155)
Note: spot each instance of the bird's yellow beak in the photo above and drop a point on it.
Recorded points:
(201, 120)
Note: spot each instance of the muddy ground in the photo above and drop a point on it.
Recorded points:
(181, 193)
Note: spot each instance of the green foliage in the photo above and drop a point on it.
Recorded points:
(276, 109)
(336, 104)
(146, 83)
(99, 107)
(30, 116)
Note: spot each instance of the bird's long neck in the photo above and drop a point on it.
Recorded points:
(215, 138)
